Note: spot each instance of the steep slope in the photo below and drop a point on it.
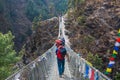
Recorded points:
(18, 15)
(41, 40)
(93, 29)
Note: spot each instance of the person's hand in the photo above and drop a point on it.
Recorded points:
(68, 60)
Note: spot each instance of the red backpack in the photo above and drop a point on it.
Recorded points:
(61, 52)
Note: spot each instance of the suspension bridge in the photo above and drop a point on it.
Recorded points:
(45, 66)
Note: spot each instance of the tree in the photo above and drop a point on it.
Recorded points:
(7, 55)
(117, 76)
(31, 10)
(75, 3)
(95, 60)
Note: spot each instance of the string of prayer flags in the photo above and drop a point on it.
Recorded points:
(114, 55)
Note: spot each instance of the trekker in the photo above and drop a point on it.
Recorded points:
(61, 53)
(63, 41)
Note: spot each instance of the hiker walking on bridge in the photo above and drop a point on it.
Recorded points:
(61, 53)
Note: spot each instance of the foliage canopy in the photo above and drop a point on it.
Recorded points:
(7, 55)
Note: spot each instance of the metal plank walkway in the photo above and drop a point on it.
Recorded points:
(54, 72)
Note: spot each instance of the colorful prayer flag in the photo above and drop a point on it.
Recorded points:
(110, 65)
(112, 62)
(86, 71)
(114, 55)
(116, 48)
(118, 40)
(92, 75)
(90, 64)
(106, 72)
(119, 34)
(119, 31)
(109, 70)
(83, 67)
(117, 44)
(96, 76)
(112, 59)
(115, 52)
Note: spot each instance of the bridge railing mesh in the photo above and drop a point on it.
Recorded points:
(37, 69)
(77, 66)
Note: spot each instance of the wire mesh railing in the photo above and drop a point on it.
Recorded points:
(37, 69)
(77, 66)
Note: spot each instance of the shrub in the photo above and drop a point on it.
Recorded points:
(95, 60)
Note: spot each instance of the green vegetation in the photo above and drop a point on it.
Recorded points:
(61, 6)
(88, 39)
(95, 60)
(81, 20)
(77, 10)
(117, 76)
(36, 8)
(75, 3)
(1, 6)
(7, 55)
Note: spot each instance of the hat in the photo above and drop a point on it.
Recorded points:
(58, 41)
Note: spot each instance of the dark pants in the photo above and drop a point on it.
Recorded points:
(61, 67)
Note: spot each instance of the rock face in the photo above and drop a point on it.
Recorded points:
(42, 38)
(93, 28)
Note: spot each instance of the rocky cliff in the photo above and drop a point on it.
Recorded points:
(93, 29)
(42, 39)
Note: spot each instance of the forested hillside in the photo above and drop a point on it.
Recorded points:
(18, 15)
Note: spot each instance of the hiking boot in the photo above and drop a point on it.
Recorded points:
(60, 76)
(63, 75)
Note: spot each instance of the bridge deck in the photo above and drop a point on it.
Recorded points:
(54, 72)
